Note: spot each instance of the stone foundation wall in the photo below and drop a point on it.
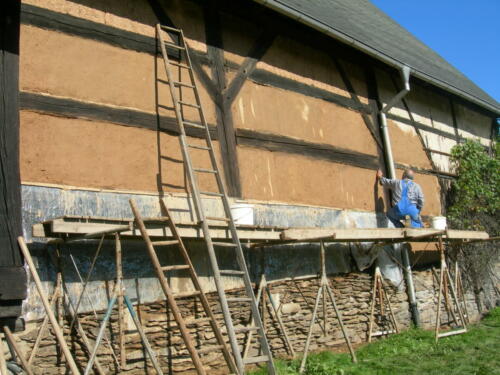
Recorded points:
(352, 292)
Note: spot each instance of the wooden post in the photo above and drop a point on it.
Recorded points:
(68, 305)
(324, 284)
(12, 340)
(372, 309)
(379, 293)
(3, 363)
(309, 334)
(441, 282)
(59, 306)
(121, 321)
(248, 342)
(58, 332)
(43, 326)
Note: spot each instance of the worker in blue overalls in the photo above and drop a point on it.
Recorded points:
(407, 198)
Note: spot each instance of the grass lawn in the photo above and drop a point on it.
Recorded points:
(413, 352)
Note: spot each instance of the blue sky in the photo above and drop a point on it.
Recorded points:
(465, 32)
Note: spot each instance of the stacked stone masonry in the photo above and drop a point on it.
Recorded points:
(352, 292)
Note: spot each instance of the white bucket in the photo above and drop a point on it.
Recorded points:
(242, 213)
(439, 222)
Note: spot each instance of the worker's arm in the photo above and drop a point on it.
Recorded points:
(420, 198)
(386, 182)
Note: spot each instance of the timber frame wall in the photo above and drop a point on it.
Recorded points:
(225, 69)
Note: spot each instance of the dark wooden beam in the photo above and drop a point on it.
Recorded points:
(454, 119)
(424, 127)
(43, 18)
(442, 184)
(259, 48)
(369, 121)
(90, 111)
(12, 274)
(98, 112)
(225, 126)
(274, 142)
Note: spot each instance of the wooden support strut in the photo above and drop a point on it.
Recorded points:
(12, 341)
(262, 292)
(171, 296)
(324, 284)
(67, 304)
(379, 294)
(138, 326)
(58, 332)
(446, 281)
(121, 316)
(3, 363)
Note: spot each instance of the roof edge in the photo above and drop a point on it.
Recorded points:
(295, 14)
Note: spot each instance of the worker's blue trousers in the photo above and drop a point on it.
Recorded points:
(402, 208)
(395, 216)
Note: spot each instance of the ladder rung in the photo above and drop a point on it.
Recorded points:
(225, 244)
(199, 147)
(172, 45)
(190, 322)
(160, 219)
(246, 329)
(180, 65)
(204, 170)
(188, 104)
(168, 28)
(175, 268)
(382, 333)
(209, 349)
(451, 333)
(211, 193)
(193, 293)
(165, 243)
(239, 299)
(183, 84)
(193, 124)
(232, 272)
(262, 358)
(225, 219)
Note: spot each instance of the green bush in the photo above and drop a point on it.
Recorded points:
(474, 204)
(474, 198)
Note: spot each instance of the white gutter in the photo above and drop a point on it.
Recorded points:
(286, 10)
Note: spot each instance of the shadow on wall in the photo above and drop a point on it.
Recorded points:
(277, 263)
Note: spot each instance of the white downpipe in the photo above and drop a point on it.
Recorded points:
(405, 76)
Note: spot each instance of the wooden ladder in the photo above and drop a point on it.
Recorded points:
(204, 220)
(172, 297)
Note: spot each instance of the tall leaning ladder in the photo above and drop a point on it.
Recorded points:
(192, 171)
(172, 297)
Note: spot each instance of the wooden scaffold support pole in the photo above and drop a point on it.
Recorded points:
(459, 288)
(446, 284)
(48, 310)
(119, 293)
(3, 362)
(388, 323)
(325, 285)
(264, 294)
(12, 341)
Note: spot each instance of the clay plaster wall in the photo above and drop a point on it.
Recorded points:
(93, 154)
(72, 67)
(275, 111)
(448, 120)
(66, 66)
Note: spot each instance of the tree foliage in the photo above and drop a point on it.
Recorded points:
(474, 204)
(475, 195)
